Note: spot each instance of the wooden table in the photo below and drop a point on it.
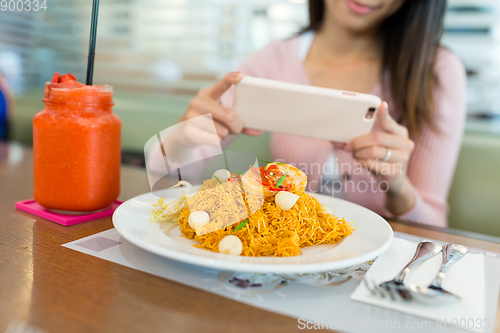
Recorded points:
(60, 290)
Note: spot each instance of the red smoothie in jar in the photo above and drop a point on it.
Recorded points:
(76, 147)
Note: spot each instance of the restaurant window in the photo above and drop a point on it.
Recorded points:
(166, 46)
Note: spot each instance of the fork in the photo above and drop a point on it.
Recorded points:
(395, 288)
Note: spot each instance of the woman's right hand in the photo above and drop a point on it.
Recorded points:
(226, 120)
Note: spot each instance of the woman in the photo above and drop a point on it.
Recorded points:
(389, 48)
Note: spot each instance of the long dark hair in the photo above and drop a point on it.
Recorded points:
(410, 42)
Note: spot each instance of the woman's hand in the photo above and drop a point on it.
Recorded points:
(226, 120)
(386, 154)
(200, 130)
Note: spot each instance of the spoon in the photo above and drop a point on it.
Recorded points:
(434, 293)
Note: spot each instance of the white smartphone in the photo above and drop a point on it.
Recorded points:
(296, 109)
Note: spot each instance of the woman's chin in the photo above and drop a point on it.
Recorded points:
(357, 25)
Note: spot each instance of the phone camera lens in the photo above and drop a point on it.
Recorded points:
(371, 109)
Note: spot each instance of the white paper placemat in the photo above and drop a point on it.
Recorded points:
(319, 300)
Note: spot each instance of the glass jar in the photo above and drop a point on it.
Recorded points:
(76, 148)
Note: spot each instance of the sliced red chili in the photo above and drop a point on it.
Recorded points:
(268, 170)
(274, 189)
(271, 168)
(262, 172)
(265, 180)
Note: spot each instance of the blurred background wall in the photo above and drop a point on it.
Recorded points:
(158, 53)
(155, 53)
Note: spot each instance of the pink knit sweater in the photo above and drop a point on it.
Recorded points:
(431, 165)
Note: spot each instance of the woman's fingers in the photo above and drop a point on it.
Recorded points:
(226, 120)
(252, 132)
(394, 135)
(222, 131)
(226, 116)
(381, 139)
(377, 153)
(220, 87)
(339, 145)
(388, 123)
(373, 152)
(195, 135)
(200, 130)
(370, 150)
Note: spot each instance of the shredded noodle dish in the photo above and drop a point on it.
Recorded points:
(264, 212)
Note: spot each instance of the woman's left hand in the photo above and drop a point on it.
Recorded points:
(385, 153)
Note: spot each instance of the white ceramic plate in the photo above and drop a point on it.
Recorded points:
(372, 237)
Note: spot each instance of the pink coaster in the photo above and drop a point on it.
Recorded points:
(32, 207)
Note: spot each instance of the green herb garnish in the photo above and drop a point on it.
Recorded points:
(281, 180)
(217, 179)
(241, 225)
(272, 162)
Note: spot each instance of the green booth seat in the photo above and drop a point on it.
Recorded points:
(475, 193)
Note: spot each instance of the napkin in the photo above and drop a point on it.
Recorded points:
(465, 278)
